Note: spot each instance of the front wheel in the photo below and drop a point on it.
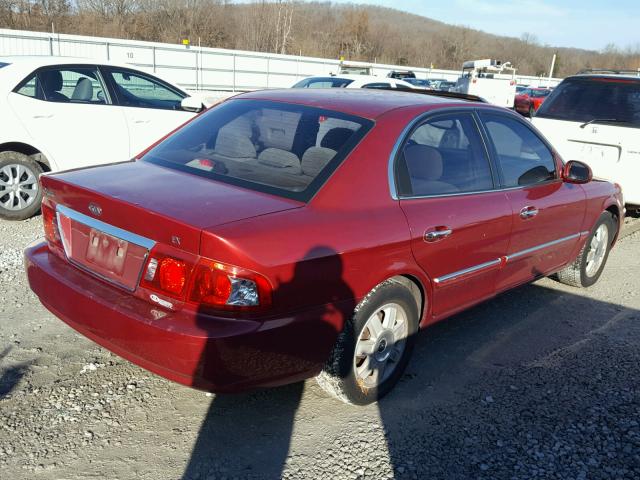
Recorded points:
(20, 193)
(588, 266)
(374, 347)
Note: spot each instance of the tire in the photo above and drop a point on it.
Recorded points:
(582, 273)
(339, 377)
(24, 201)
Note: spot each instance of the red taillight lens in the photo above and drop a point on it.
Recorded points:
(166, 273)
(50, 223)
(225, 286)
(172, 275)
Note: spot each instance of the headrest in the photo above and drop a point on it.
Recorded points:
(51, 80)
(423, 162)
(83, 90)
(315, 159)
(336, 138)
(275, 157)
(231, 144)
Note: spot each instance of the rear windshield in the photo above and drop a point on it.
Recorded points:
(587, 99)
(279, 148)
(3, 64)
(323, 82)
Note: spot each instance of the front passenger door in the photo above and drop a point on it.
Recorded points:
(547, 212)
(152, 107)
(459, 222)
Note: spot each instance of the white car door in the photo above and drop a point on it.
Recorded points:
(69, 111)
(151, 106)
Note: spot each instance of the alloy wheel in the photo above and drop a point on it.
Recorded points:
(380, 345)
(597, 250)
(18, 187)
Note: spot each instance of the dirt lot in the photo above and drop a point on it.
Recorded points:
(542, 382)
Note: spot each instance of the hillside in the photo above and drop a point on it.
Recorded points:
(312, 28)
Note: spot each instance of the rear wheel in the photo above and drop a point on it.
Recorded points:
(20, 192)
(588, 266)
(374, 348)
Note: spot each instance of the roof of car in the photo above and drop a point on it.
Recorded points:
(368, 103)
(613, 76)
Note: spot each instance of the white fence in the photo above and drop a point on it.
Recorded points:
(196, 68)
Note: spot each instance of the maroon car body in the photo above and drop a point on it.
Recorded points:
(312, 259)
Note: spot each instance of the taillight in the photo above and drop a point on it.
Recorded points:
(50, 223)
(167, 274)
(203, 282)
(224, 286)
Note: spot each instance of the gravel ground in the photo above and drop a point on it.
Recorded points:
(541, 382)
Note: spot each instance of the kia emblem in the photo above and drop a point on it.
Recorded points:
(95, 209)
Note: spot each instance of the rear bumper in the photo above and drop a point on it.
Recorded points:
(194, 349)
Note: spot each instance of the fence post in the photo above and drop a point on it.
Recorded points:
(268, 65)
(153, 55)
(106, 44)
(233, 87)
(51, 45)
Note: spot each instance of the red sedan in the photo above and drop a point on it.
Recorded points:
(528, 102)
(288, 234)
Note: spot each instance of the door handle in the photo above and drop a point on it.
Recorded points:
(528, 212)
(437, 234)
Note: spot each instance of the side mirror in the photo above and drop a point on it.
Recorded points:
(576, 172)
(192, 104)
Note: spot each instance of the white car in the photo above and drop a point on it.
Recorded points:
(351, 81)
(60, 113)
(595, 118)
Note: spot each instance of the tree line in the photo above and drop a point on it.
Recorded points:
(320, 29)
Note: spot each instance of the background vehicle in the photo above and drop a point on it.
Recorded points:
(446, 86)
(351, 81)
(401, 74)
(419, 83)
(521, 88)
(63, 113)
(595, 117)
(196, 285)
(490, 79)
(528, 101)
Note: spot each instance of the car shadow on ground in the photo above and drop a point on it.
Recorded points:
(11, 376)
(249, 435)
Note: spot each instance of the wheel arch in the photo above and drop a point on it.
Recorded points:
(29, 151)
(417, 289)
(614, 210)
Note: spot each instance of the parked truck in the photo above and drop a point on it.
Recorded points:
(492, 80)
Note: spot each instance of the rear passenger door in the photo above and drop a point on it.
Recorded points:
(460, 224)
(68, 111)
(547, 212)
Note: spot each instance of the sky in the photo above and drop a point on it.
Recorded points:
(590, 24)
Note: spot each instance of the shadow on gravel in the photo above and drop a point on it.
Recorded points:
(10, 377)
(249, 435)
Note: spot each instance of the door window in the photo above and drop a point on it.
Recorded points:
(139, 90)
(444, 155)
(70, 85)
(377, 85)
(524, 159)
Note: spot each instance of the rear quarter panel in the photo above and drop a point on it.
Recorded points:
(601, 196)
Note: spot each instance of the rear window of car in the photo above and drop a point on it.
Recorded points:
(586, 99)
(273, 147)
(324, 82)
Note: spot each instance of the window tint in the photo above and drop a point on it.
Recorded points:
(69, 84)
(323, 82)
(377, 85)
(138, 90)
(540, 93)
(444, 155)
(585, 99)
(523, 157)
(280, 148)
